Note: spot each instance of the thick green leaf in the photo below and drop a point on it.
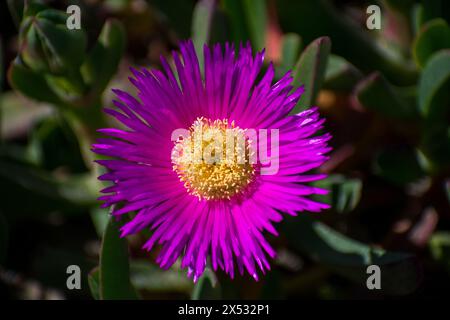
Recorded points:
(400, 273)
(68, 46)
(291, 45)
(310, 71)
(248, 20)
(43, 192)
(177, 13)
(207, 287)
(146, 276)
(440, 248)
(103, 61)
(94, 283)
(33, 85)
(340, 75)
(235, 13)
(255, 12)
(434, 86)
(201, 25)
(377, 94)
(46, 45)
(434, 99)
(51, 132)
(100, 219)
(312, 19)
(115, 266)
(345, 193)
(433, 36)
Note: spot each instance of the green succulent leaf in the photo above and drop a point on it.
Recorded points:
(375, 93)
(100, 219)
(44, 192)
(32, 84)
(350, 258)
(310, 71)
(149, 277)
(248, 19)
(46, 45)
(312, 19)
(256, 17)
(115, 266)
(207, 287)
(434, 86)
(439, 245)
(433, 36)
(345, 192)
(103, 61)
(291, 45)
(94, 283)
(340, 75)
(201, 25)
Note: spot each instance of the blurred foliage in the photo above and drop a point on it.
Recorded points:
(384, 93)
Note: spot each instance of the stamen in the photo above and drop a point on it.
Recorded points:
(213, 162)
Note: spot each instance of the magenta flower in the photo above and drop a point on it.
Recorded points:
(218, 210)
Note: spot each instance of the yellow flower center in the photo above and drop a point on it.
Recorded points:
(213, 160)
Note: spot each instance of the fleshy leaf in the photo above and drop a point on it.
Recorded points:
(256, 17)
(115, 266)
(440, 248)
(207, 287)
(350, 258)
(146, 276)
(248, 20)
(345, 192)
(434, 86)
(341, 75)
(94, 283)
(291, 45)
(201, 25)
(433, 36)
(310, 70)
(32, 84)
(377, 94)
(103, 61)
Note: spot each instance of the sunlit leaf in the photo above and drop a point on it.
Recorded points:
(201, 26)
(310, 70)
(115, 266)
(146, 276)
(207, 287)
(94, 283)
(434, 85)
(345, 192)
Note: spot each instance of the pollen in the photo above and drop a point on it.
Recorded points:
(214, 161)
